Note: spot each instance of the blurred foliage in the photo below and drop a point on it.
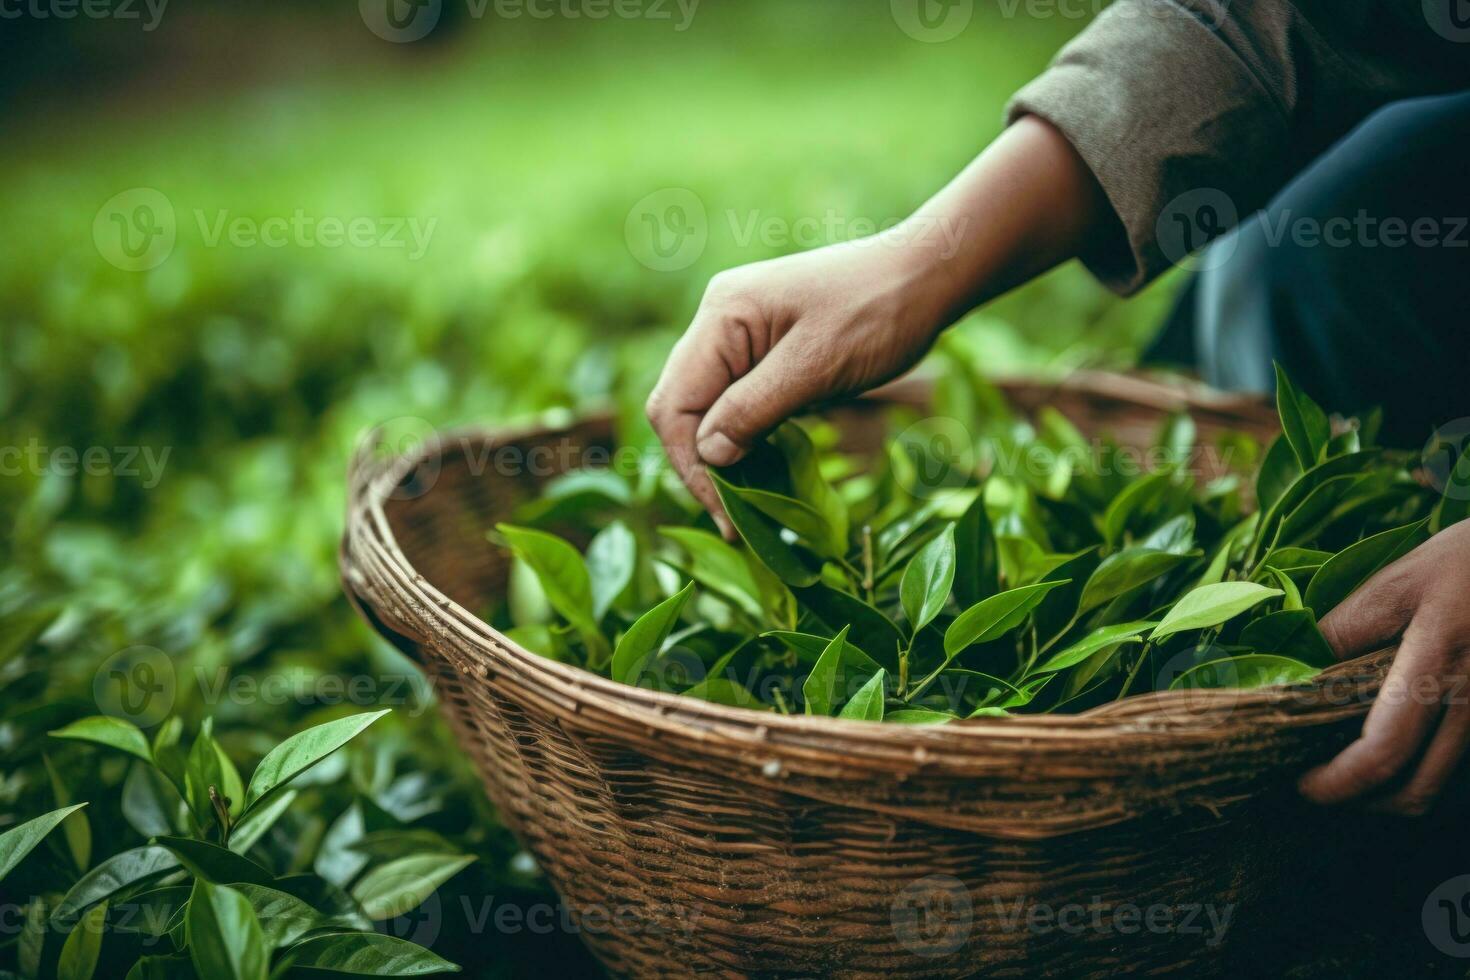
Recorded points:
(256, 370)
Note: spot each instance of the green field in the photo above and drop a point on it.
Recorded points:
(226, 387)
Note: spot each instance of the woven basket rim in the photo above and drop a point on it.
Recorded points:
(1185, 718)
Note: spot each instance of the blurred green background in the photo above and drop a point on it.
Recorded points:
(227, 384)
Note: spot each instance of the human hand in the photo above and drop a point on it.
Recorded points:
(774, 337)
(1417, 731)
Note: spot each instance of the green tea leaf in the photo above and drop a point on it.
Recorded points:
(149, 912)
(1293, 596)
(398, 887)
(612, 556)
(831, 679)
(1124, 571)
(30, 946)
(564, 578)
(722, 690)
(83, 947)
(283, 918)
(1288, 559)
(873, 630)
(253, 825)
(75, 828)
(1175, 536)
(797, 517)
(127, 869)
(977, 566)
(367, 954)
(645, 638)
(1343, 573)
(1143, 501)
(867, 703)
(992, 618)
(927, 580)
(1304, 522)
(1176, 438)
(214, 863)
(763, 537)
(807, 480)
(1278, 471)
(1302, 422)
(209, 766)
(1292, 498)
(150, 804)
(1245, 672)
(918, 716)
(225, 939)
(1454, 502)
(115, 733)
(19, 841)
(1211, 605)
(719, 567)
(169, 757)
(176, 967)
(809, 648)
(1099, 639)
(302, 751)
(1289, 632)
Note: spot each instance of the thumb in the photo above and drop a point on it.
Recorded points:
(777, 388)
(1375, 614)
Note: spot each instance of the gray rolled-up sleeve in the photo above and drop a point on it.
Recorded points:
(1190, 108)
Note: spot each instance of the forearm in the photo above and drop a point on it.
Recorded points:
(1025, 204)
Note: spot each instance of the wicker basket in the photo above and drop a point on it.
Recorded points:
(692, 838)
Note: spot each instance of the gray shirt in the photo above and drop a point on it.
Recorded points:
(1167, 97)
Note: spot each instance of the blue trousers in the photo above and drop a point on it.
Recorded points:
(1356, 277)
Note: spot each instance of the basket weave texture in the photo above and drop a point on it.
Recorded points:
(692, 838)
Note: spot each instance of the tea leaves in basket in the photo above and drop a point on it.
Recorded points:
(1028, 571)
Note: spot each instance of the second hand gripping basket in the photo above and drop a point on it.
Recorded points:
(693, 838)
